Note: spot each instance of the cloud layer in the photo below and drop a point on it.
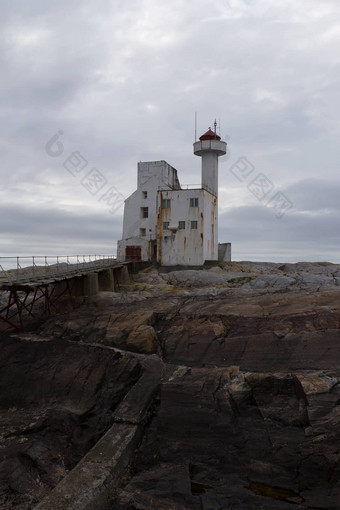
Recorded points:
(122, 80)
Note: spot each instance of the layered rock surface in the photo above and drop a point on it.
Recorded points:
(227, 439)
(256, 315)
(56, 400)
(248, 412)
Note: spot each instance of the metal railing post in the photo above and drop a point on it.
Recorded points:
(43, 269)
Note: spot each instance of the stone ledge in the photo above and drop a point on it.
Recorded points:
(90, 484)
(136, 403)
(87, 486)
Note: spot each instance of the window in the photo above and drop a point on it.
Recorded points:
(193, 225)
(181, 225)
(165, 225)
(144, 212)
(193, 202)
(166, 203)
(142, 232)
(145, 194)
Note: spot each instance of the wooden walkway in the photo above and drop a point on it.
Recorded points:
(28, 293)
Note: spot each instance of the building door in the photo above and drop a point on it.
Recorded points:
(133, 253)
(154, 252)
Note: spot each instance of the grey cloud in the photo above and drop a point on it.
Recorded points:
(123, 80)
(255, 229)
(54, 231)
(314, 195)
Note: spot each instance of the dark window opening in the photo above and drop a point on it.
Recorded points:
(144, 212)
(166, 203)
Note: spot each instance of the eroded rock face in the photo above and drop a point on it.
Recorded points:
(247, 416)
(143, 339)
(227, 439)
(56, 401)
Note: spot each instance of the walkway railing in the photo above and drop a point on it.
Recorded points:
(189, 186)
(37, 267)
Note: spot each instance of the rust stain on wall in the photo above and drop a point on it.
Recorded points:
(213, 215)
(159, 230)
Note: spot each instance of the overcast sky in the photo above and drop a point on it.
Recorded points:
(122, 80)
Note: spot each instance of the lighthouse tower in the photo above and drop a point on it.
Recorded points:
(210, 147)
(174, 226)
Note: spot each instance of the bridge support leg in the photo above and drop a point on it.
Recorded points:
(91, 285)
(122, 275)
(78, 286)
(105, 280)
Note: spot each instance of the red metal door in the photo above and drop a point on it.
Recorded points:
(133, 253)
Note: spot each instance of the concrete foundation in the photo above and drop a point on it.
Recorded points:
(105, 280)
(78, 286)
(122, 276)
(91, 483)
(224, 252)
(91, 285)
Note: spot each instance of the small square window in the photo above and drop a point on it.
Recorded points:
(166, 203)
(193, 202)
(165, 225)
(181, 225)
(142, 232)
(144, 212)
(194, 225)
(145, 194)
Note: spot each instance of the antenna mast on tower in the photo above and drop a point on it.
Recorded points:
(195, 126)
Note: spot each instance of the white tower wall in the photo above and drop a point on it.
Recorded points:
(210, 151)
(210, 172)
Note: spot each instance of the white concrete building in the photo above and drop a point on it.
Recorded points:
(171, 225)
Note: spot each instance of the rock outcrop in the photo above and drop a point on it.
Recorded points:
(228, 439)
(247, 413)
(56, 401)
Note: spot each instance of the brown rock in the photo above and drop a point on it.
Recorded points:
(143, 339)
(248, 413)
(56, 401)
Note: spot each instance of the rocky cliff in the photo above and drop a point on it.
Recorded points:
(247, 415)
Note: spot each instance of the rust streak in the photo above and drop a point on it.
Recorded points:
(159, 230)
